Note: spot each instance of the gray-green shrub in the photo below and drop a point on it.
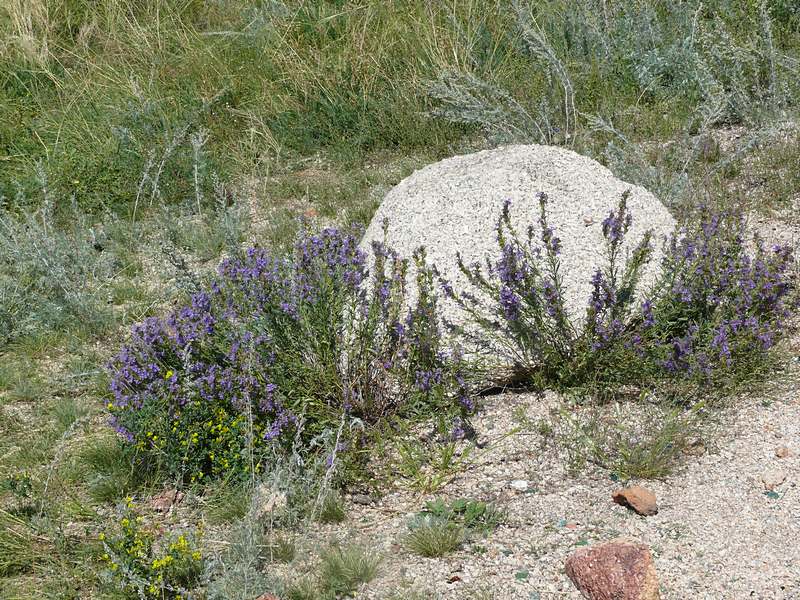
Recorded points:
(52, 276)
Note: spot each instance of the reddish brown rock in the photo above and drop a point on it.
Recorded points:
(164, 501)
(637, 498)
(783, 452)
(617, 570)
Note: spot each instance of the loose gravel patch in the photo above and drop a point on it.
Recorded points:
(718, 533)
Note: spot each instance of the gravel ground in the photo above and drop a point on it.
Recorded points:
(717, 535)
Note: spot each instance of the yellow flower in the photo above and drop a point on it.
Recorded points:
(168, 374)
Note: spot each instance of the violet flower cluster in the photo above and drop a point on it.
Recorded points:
(528, 322)
(278, 348)
(718, 306)
(721, 303)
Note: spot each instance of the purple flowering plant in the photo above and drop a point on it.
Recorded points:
(527, 320)
(721, 304)
(717, 307)
(280, 347)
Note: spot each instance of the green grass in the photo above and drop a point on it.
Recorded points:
(21, 386)
(434, 538)
(344, 569)
(474, 515)
(332, 509)
(773, 172)
(226, 502)
(428, 466)
(340, 573)
(105, 464)
(67, 414)
(280, 549)
(443, 527)
(630, 440)
(99, 90)
(20, 545)
(302, 589)
(288, 83)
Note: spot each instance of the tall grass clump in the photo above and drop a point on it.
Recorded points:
(280, 346)
(103, 91)
(95, 139)
(22, 548)
(433, 538)
(442, 527)
(608, 78)
(728, 61)
(719, 305)
(344, 569)
(116, 88)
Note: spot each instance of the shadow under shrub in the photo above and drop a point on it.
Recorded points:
(282, 347)
(716, 309)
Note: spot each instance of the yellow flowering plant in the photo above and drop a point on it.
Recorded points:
(149, 566)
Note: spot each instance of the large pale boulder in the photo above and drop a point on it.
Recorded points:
(453, 206)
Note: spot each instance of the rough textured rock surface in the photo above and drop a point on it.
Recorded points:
(617, 570)
(638, 499)
(453, 206)
(773, 478)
